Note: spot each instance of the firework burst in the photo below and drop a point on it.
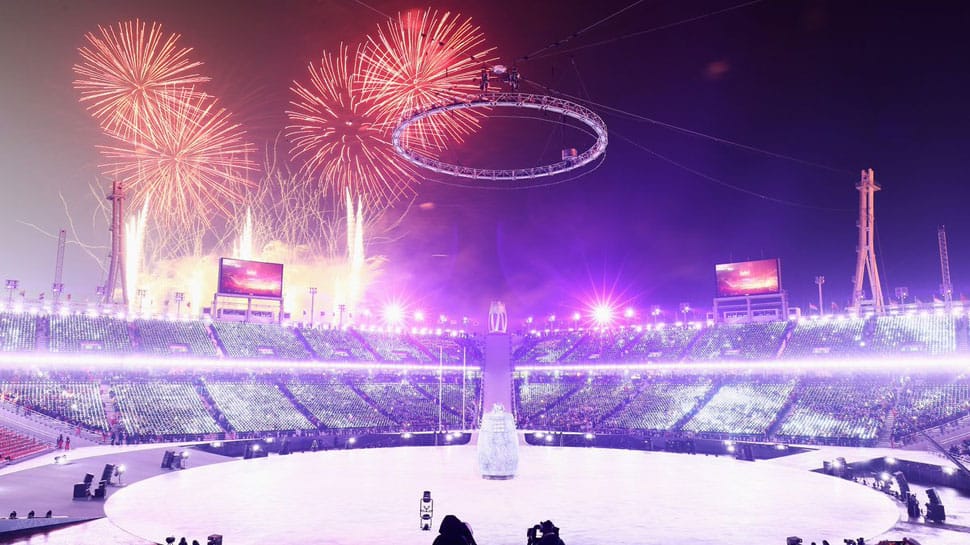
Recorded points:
(341, 142)
(422, 59)
(129, 71)
(189, 159)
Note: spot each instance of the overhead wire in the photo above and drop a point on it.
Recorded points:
(691, 132)
(580, 32)
(722, 183)
(648, 30)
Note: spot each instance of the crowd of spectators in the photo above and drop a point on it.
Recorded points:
(409, 405)
(162, 408)
(929, 401)
(171, 338)
(656, 344)
(337, 345)
(924, 334)
(337, 406)
(546, 347)
(79, 333)
(830, 337)
(76, 402)
(848, 411)
(742, 409)
(660, 405)
(395, 348)
(260, 341)
(18, 332)
(255, 405)
(738, 341)
(585, 406)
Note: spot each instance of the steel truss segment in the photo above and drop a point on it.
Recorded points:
(507, 100)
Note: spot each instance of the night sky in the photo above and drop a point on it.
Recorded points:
(835, 86)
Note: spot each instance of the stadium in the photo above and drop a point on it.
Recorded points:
(438, 265)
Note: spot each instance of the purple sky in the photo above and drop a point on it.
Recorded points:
(847, 85)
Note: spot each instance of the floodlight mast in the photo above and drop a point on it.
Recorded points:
(866, 252)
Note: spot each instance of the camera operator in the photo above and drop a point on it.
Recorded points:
(550, 535)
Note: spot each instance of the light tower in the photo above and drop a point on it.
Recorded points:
(116, 267)
(866, 262)
(58, 286)
(946, 287)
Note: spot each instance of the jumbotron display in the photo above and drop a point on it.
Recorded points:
(250, 278)
(760, 277)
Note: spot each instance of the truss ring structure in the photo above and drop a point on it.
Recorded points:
(507, 100)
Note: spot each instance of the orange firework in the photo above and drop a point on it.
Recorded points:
(333, 130)
(129, 71)
(422, 59)
(188, 159)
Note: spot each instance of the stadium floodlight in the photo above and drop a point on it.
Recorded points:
(393, 314)
(602, 314)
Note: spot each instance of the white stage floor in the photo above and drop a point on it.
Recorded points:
(595, 496)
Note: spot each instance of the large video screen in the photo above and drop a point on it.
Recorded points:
(250, 278)
(748, 278)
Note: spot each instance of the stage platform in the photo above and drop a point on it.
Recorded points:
(595, 495)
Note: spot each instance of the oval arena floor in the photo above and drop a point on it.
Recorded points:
(595, 496)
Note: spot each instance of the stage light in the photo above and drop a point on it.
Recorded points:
(406, 435)
(255, 448)
(730, 448)
(629, 313)
(890, 460)
(589, 436)
(884, 476)
(217, 444)
(448, 438)
(419, 316)
(270, 439)
(539, 434)
(949, 470)
(352, 440)
(549, 438)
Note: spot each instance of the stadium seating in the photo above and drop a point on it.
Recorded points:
(583, 408)
(738, 341)
(659, 405)
(395, 348)
(846, 411)
(656, 344)
(18, 332)
(742, 409)
(162, 407)
(14, 446)
(173, 338)
(827, 338)
(930, 401)
(337, 406)
(256, 406)
(74, 402)
(924, 334)
(260, 341)
(80, 333)
(408, 405)
(337, 345)
(546, 347)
